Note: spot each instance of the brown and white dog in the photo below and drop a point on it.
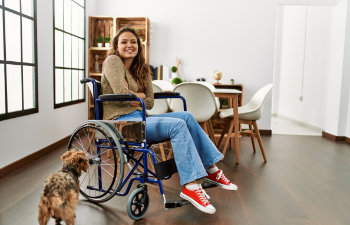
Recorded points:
(59, 198)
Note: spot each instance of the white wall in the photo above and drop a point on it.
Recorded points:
(311, 66)
(22, 136)
(346, 76)
(235, 37)
(304, 67)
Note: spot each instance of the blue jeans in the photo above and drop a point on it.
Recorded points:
(193, 151)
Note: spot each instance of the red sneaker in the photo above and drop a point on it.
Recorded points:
(198, 199)
(219, 179)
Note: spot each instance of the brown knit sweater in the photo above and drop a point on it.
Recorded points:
(113, 80)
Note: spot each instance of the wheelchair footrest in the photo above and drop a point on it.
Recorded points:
(175, 204)
(206, 185)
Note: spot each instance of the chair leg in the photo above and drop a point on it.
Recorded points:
(170, 154)
(256, 129)
(161, 149)
(223, 132)
(211, 131)
(252, 136)
(229, 134)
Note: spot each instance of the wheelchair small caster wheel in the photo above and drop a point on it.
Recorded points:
(138, 203)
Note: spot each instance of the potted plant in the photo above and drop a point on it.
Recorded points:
(107, 41)
(99, 41)
(173, 71)
(232, 81)
(176, 80)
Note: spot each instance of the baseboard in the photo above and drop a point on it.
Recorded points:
(19, 164)
(265, 132)
(332, 137)
(347, 140)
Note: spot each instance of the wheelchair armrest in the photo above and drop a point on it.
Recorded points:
(165, 94)
(115, 97)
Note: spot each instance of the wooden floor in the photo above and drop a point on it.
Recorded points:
(306, 181)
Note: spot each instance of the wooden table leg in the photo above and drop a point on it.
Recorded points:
(236, 126)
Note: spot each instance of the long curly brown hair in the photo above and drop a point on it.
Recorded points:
(139, 69)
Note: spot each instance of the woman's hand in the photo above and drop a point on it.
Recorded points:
(137, 103)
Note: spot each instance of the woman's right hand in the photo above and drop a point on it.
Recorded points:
(137, 103)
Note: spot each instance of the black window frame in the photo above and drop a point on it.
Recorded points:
(72, 102)
(23, 112)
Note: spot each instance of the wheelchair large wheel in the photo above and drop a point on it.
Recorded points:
(106, 161)
(138, 203)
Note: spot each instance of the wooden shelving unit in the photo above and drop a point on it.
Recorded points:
(108, 26)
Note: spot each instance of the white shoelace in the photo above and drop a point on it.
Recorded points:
(202, 197)
(205, 193)
(221, 174)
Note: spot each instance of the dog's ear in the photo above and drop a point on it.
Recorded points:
(65, 156)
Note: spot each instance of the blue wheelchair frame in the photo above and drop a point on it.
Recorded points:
(147, 176)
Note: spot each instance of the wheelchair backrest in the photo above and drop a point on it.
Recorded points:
(95, 90)
(133, 131)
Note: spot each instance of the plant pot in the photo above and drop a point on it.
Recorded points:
(99, 45)
(107, 45)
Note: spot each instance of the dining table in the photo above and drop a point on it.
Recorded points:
(232, 96)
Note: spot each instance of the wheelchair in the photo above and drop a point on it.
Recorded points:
(116, 146)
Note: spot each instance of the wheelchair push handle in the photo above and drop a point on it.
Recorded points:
(85, 80)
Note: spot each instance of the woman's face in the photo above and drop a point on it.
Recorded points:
(127, 45)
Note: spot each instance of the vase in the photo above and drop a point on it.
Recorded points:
(99, 45)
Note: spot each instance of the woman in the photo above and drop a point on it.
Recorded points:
(125, 71)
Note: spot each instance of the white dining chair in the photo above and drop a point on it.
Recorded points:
(160, 105)
(201, 102)
(248, 114)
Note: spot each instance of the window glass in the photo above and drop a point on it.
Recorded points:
(12, 4)
(1, 37)
(14, 88)
(81, 22)
(75, 85)
(81, 2)
(67, 15)
(59, 14)
(67, 85)
(59, 48)
(2, 89)
(75, 52)
(28, 87)
(81, 54)
(81, 86)
(67, 50)
(75, 19)
(59, 85)
(13, 37)
(27, 7)
(28, 40)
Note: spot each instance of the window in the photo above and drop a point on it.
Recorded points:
(69, 51)
(18, 58)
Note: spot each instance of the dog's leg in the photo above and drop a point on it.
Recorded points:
(70, 221)
(43, 217)
(44, 214)
(58, 221)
